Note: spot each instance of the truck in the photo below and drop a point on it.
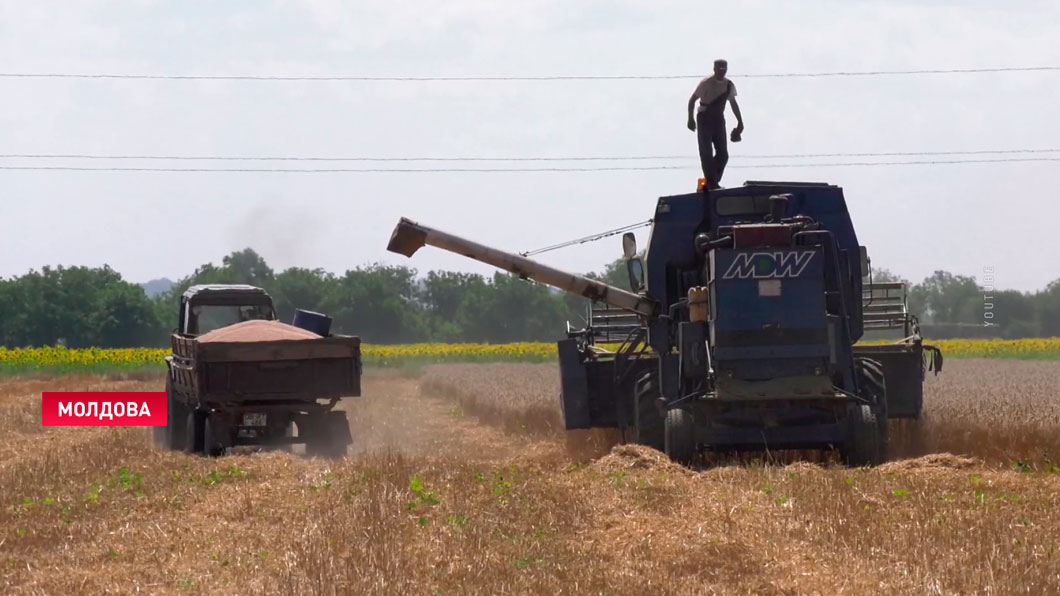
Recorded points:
(267, 392)
(740, 330)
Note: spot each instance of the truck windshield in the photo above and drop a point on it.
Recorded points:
(209, 317)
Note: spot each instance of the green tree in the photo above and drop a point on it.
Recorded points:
(949, 298)
(126, 317)
(1047, 312)
(78, 307)
(302, 288)
(443, 294)
(378, 303)
(511, 309)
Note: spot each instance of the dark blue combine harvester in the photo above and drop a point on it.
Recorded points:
(740, 332)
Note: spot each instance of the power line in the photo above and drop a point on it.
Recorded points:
(66, 75)
(504, 159)
(544, 169)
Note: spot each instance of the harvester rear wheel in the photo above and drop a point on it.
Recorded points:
(680, 436)
(873, 386)
(862, 446)
(650, 429)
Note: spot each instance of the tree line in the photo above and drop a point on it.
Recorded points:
(82, 307)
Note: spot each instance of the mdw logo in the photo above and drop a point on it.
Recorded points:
(769, 265)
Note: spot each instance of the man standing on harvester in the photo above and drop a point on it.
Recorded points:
(712, 93)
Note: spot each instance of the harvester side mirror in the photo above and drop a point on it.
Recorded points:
(864, 261)
(636, 273)
(629, 245)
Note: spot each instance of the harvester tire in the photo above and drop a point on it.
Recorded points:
(862, 446)
(680, 437)
(650, 428)
(873, 386)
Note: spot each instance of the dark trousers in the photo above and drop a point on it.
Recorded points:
(710, 130)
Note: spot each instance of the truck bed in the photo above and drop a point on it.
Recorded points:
(266, 371)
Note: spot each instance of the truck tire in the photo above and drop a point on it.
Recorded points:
(680, 436)
(861, 447)
(873, 386)
(327, 435)
(213, 441)
(194, 426)
(160, 434)
(650, 428)
(172, 434)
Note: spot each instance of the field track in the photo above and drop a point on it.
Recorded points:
(459, 482)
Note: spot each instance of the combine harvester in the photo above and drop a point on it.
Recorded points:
(740, 332)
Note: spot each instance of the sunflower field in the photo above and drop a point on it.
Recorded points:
(61, 359)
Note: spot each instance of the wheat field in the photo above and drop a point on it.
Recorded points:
(461, 482)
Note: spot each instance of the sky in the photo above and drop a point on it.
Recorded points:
(991, 220)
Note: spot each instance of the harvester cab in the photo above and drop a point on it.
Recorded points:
(740, 334)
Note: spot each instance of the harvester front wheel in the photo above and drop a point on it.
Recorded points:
(862, 447)
(873, 386)
(680, 437)
(649, 422)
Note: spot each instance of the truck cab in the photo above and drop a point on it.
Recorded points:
(204, 308)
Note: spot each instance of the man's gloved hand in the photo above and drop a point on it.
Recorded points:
(735, 136)
(692, 124)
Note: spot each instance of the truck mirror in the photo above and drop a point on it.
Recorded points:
(629, 245)
(864, 261)
(636, 274)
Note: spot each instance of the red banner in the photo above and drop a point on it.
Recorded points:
(110, 408)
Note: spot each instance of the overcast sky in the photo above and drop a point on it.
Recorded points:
(914, 219)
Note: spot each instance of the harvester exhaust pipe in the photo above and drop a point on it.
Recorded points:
(778, 206)
(409, 236)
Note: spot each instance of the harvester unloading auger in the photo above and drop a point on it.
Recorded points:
(741, 330)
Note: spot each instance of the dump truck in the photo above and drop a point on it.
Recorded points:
(237, 376)
(740, 332)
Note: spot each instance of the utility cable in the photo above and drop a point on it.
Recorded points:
(542, 169)
(70, 75)
(149, 157)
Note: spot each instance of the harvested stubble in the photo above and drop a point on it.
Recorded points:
(461, 514)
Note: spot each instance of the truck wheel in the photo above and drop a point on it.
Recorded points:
(193, 439)
(862, 446)
(873, 386)
(213, 443)
(327, 435)
(160, 434)
(174, 432)
(680, 436)
(650, 428)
